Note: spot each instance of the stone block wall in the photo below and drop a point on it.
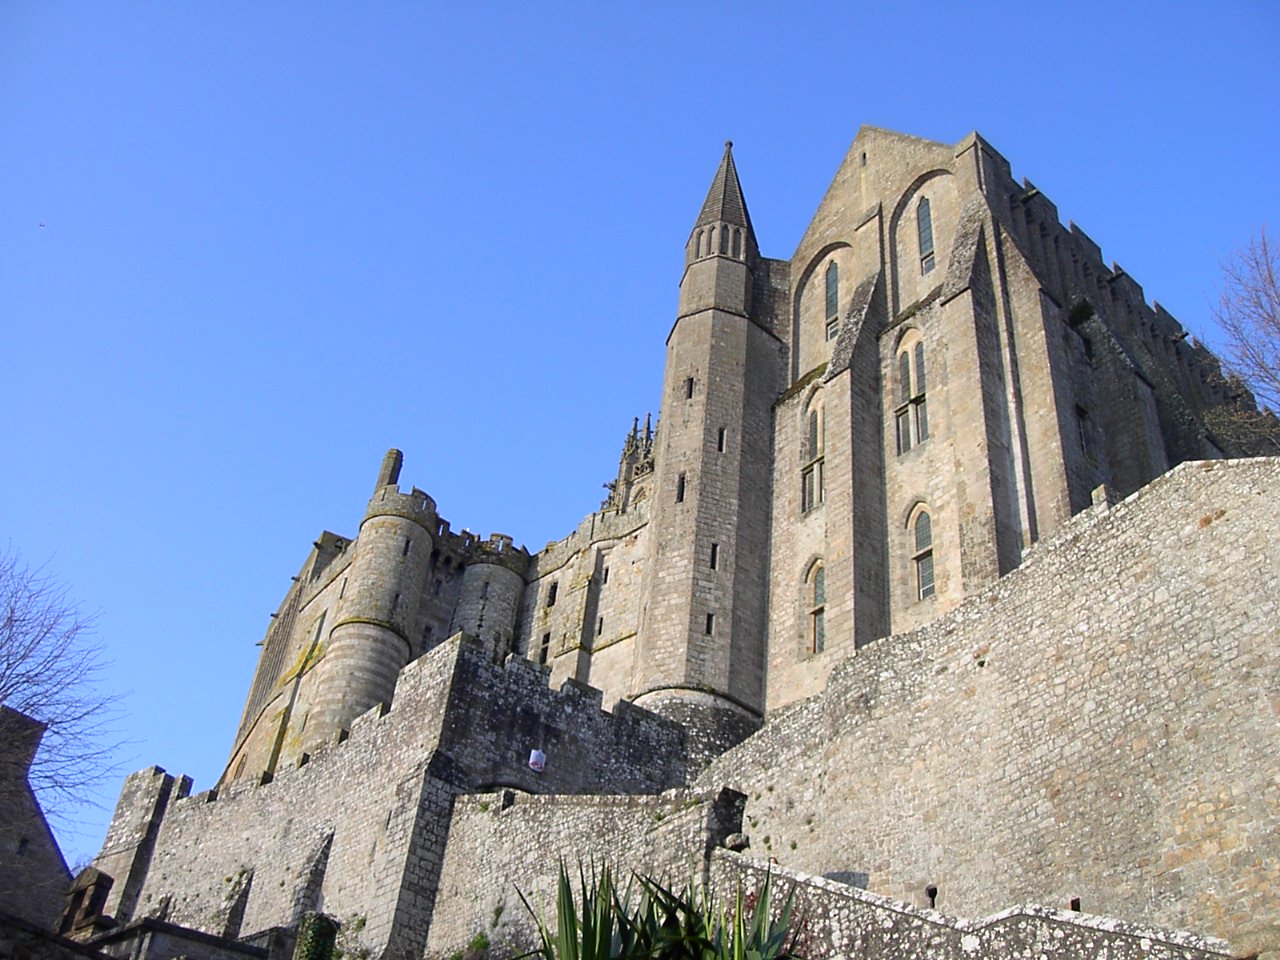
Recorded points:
(833, 918)
(505, 845)
(360, 827)
(1100, 724)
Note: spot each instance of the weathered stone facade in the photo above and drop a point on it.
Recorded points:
(873, 550)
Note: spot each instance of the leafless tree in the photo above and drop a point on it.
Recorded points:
(50, 669)
(1249, 316)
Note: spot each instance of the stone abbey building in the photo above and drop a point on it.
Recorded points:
(933, 584)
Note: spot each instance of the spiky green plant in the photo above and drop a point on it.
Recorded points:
(664, 926)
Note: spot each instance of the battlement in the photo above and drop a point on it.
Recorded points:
(415, 505)
(498, 550)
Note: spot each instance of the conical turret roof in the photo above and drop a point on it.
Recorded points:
(725, 203)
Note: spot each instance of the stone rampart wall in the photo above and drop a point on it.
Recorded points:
(359, 829)
(835, 919)
(503, 843)
(1100, 724)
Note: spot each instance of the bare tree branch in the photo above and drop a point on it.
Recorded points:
(1249, 315)
(50, 669)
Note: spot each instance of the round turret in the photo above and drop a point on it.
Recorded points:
(369, 643)
(492, 587)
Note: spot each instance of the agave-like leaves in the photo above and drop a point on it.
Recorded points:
(666, 925)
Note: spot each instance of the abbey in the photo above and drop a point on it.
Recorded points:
(894, 545)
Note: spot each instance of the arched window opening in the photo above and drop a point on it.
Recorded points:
(697, 245)
(924, 227)
(911, 415)
(833, 299)
(737, 244)
(817, 605)
(922, 558)
(811, 485)
(724, 240)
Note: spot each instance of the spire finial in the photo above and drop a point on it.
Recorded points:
(725, 203)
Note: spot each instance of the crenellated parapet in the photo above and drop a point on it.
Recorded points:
(498, 550)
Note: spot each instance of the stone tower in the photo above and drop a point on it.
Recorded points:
(702, 637)
(370, 640)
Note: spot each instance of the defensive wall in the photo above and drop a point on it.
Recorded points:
(1099, 725)
(359, 826)
(506, 849)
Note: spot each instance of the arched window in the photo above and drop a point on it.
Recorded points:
(922, 558)
(833, 299)
(811, 486)
(816, 603)
(737, 243)
(911, 414)
(924, 227)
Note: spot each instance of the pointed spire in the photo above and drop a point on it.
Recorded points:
(725, 203)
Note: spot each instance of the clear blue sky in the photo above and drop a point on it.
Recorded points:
(245, 248)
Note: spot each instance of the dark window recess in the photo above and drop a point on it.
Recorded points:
(551, 595)
(680, 489)
(407, 544)
(720, 440)
(544, 648)
(688, 388)
(924, 556)
(924, 227)
(711, 623)
(600, 627)
(604, 575)
(715, 555)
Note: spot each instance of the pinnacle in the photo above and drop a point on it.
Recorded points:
(725, 203)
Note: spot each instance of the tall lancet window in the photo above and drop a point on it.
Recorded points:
(924, 227)
(923, 555)
(833, 299)
(811, 485)
(817, 604)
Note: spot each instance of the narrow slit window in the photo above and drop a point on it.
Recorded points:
(604, 576)
(407, 544)
(600, 627)
(680, 481)
(551, 594)
(1084, 431)
(711, 623)
(715, 555)
(720, 440)
(688, 388)
(544, 648)
(737, 243)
